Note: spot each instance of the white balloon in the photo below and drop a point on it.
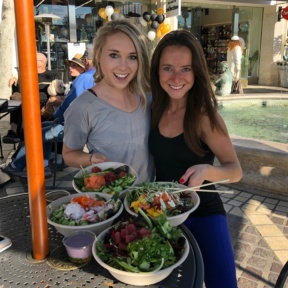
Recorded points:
(151, 35)
(109, 10)
(142, 21)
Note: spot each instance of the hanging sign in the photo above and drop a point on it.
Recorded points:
(173, 8)
(285, 13)
(75, 48)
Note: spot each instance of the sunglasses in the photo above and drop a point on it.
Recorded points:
(73, 65)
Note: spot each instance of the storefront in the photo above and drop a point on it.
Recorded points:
(213, 22)
(214, 26)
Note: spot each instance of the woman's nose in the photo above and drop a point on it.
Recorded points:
(123, 63)
(177, 75)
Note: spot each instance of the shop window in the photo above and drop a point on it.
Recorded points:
(59, 32)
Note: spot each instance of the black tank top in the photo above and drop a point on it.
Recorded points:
(173, 157)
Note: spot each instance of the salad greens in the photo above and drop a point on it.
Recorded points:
(155, 198)
(141, 244)
(107, 181)
(85, 210)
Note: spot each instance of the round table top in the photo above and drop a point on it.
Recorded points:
(20, 268)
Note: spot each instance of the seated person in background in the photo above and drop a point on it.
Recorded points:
(52, 130)
(76, 67)
(56, 90)
(45, 77)
(224, 81)
(14, 128)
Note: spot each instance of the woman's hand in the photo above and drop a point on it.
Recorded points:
(195, 175)
(13, 81)
(97, 158)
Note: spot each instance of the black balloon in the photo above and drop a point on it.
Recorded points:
(154, 25)
(153, 17)
(160, 18)
(115, 16)
(146, 16)
(110, 3)
(95, 11)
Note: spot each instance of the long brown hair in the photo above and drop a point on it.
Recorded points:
(201, 98)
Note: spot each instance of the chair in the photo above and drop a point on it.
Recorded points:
(55, 168)
(283, 277)
(1, 148)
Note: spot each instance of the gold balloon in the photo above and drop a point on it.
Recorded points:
(102, 13)
(117, 11)
(166, 28)
(160, 11)
(161, 27)
(158, 33)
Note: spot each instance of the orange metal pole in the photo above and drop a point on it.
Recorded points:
(25, 26)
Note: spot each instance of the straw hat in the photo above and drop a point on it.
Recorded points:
(76, 59)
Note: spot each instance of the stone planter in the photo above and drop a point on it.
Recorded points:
(283, 72)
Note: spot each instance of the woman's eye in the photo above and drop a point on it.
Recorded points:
(187, 69)
(113, 55)
(167, 68)
(133, 57)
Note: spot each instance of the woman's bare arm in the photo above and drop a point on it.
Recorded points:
(221, 146)
(79, 158)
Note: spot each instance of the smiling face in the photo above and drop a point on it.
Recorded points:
(176, 76)
(118, 60)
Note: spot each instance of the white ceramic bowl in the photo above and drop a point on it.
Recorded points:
(173, 220)
(103, 166)
(138, 279)
(95, 228)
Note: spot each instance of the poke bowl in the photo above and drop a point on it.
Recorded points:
(106, 177)
(91, 211)
(160, 197)
(144, 260)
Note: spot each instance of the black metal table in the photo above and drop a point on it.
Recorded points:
(12, 106)
(19, 269)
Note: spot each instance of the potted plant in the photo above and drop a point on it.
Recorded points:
(252, 61)
(283, 71)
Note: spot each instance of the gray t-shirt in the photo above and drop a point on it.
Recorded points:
(120, 136)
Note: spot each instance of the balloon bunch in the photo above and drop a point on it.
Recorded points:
(110, 12)
(156, 21)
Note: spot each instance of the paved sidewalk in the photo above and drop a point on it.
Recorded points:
(258, 225)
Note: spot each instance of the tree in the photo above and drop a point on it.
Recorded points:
(7, 32)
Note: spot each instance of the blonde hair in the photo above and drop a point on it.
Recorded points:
(140, 84)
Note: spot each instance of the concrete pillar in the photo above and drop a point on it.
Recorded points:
(272, 46)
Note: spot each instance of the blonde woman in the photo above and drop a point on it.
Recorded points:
(113, 117)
